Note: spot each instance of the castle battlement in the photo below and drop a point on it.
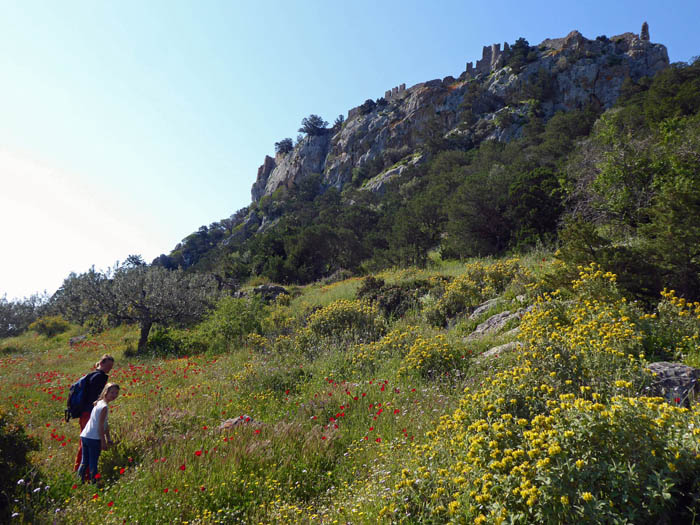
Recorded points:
(390, 94)
(394, 92)
(491, 58)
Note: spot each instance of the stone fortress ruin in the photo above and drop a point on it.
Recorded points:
(492, 58)
(394, 92)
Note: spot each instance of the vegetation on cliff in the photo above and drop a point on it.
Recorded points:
(472, 345)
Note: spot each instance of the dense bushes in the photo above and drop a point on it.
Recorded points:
(480, 282)
(393, 300)
(14, 462)
(565, 435)
(50, 326)
(232, 321)
(16, 316)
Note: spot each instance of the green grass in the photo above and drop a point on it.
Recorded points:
(334, 436)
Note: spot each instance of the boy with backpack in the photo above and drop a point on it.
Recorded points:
(84, 393)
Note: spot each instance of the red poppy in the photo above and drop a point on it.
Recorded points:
(182, 467)
(74, 487)
(323, 437)
(98, 476)
(122, 470)
(165, 490)
(198, 453)
(378, 440)
(111, 503)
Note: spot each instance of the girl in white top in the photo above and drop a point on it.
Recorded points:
(95, 436)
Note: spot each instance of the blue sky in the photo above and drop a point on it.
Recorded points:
(124, 126)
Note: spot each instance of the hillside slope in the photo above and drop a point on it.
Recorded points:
(383, 145)
(491, 101)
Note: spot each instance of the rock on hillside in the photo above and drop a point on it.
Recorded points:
(491, 101)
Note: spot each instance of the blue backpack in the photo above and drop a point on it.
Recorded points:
(76, 396)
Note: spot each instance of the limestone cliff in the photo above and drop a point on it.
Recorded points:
(489, 101)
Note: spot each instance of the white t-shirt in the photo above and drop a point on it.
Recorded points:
(92, 429)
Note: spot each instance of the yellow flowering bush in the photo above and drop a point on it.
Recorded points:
(560, 436)
(591, 340)
(50, 325)
(431, 357)
(625, 461)
(341, 322)
(396, 343)
(673, 331)
(480, 282)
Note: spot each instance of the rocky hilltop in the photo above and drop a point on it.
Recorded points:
(491, 100)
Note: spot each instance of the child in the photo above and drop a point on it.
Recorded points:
(96, 384)
(95, 436)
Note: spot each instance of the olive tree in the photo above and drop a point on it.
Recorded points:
(137, 293)
(17, 315)
(151, 294)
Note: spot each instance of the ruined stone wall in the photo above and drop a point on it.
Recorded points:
(394, 92)
(491, 58)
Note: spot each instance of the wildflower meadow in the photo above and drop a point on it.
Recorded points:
(345, 413)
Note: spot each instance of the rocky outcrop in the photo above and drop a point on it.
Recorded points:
(379, 183)
(309, 156)
(267, 292)
(486, 102)
(497, 322)
(258, 189)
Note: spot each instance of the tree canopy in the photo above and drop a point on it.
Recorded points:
(313, 125)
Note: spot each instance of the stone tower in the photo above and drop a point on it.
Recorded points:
(644, 34)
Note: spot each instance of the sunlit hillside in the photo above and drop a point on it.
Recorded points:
(360, 415)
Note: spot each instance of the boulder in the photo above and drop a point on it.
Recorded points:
(77, 339)
(268, 292)
(240, 420)
(484, 307)
(676, 382)
(495, 323)
(498, 350)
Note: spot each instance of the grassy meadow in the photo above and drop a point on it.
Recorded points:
(363, 415)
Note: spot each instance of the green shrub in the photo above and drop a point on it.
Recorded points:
(232, 320)
(479, 283)
(50, 326)
(341, 323)
(168, 341)
(14, 463)
(393, 300)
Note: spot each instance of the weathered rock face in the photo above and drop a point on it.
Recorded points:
(308, 157)
(585, 71)
(487, 102)
(264, 171)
